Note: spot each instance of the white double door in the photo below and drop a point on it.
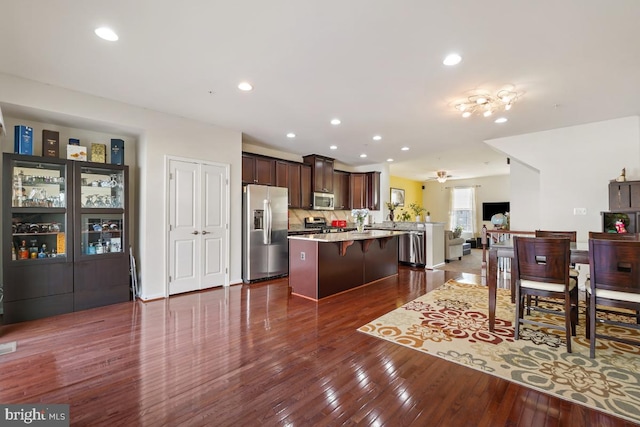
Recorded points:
(198, 225)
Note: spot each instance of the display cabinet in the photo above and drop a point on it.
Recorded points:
(37, 260)
(101, 261)
(65, 230)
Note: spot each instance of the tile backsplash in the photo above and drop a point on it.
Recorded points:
(297, 216)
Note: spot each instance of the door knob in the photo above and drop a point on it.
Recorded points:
(204, 232)
(195, 232)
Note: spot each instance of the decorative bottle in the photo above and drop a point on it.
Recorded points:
(23, 253)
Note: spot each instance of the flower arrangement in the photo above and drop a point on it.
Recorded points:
(404, 216)
(392, 206)
(417, 209)
(457, 232)
(359, 215)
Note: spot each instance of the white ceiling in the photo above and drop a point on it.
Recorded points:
(375, 64)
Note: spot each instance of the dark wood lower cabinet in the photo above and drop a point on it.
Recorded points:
(101, 282)
(37, 291)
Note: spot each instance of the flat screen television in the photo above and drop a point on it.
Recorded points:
(489, 209)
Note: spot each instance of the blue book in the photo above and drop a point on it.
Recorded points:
(23, 143)
(117, 152)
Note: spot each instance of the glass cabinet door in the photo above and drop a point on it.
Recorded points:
(101, 188)
(102, 209)
(38, 209)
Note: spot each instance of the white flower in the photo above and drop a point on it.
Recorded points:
(359, 214)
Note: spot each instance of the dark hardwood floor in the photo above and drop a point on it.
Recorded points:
(254, 355)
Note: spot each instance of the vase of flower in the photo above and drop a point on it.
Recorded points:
(359, 215)
(392, 207)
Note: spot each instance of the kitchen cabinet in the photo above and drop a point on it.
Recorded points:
(357, 190)
(64, 229)
(341, 190)
(288, 175)
(321, 173)
(258, 169)
(372, 198)
(305, 187)
(365, 190)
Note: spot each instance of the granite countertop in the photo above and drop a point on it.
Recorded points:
(349, 235)
(400, 226)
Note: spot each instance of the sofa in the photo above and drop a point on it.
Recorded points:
(452, 246)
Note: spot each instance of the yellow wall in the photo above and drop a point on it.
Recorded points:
(412, 192)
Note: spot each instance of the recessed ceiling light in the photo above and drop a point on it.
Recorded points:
(377, 138)
(452, 59)
(333, 147)
(363, 155)
(106, 33)
(500, 120)
(291, 135)
(245, 86)
(335, 122)
(405, 148)
(389, 160)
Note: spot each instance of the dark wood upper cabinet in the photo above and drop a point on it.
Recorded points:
(373, 191)
(357, 190)
(288, 175)
(341, 190)
(322, 173)
(305, 187)
(365, 190)
(258, 170)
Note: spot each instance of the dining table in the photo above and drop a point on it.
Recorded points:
(504, 249)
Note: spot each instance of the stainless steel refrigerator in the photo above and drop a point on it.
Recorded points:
(265, 222)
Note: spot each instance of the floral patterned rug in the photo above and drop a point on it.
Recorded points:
(451, 322)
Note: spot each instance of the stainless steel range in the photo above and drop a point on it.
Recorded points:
(319, 223)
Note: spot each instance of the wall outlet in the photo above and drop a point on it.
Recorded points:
(579, 211)
(302, 256)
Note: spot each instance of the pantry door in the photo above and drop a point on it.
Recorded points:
(198, 225)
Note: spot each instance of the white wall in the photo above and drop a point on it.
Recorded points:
(488, 189)
(573, 167)
(158, 135)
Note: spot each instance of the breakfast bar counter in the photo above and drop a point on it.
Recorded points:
(321, 265)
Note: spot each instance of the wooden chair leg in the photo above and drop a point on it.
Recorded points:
(592, 331)
(568, 324)
(516, 332)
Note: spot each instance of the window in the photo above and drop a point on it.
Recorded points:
(463, 209)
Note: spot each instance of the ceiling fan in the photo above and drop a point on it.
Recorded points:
(441, 176)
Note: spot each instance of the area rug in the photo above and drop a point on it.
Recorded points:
(451, 322)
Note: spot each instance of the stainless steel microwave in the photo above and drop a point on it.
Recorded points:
(323, 201)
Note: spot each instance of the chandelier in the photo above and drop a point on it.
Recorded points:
(483, 102)
(442, 176)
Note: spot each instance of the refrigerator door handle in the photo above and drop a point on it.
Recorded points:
(266, 230)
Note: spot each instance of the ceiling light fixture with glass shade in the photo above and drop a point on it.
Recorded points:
(484, 103)
(441, 176)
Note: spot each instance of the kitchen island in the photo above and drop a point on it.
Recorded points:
(321, 265)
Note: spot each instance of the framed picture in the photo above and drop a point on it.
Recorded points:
(397, 196)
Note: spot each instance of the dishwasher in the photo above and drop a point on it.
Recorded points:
(412, 249)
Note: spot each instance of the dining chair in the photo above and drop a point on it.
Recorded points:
(542, 269)
(572, 236)
(615, 283)
(614, 236)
